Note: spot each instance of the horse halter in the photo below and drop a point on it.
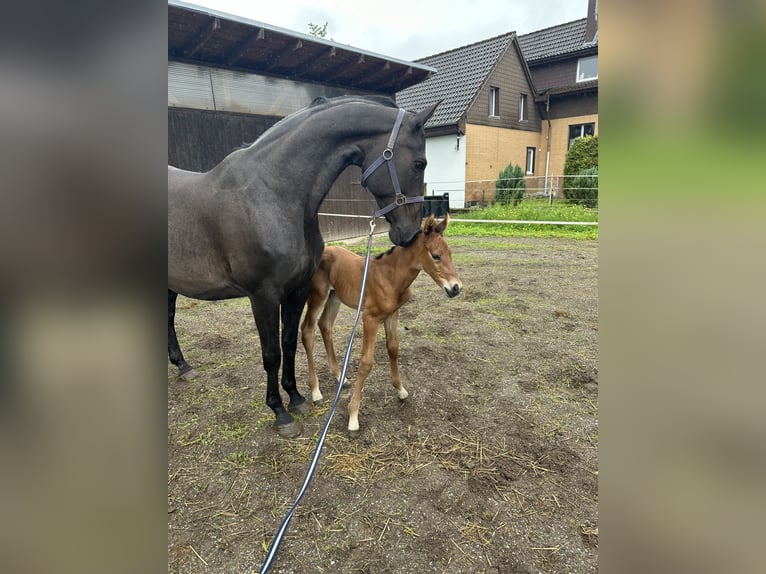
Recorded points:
(386, 157)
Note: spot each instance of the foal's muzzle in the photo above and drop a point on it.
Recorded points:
(453, 292)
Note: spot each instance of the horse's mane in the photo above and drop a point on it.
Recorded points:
(382, 100)
(318, 104)
(389, 252)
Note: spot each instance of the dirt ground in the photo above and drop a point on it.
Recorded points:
(490, 465)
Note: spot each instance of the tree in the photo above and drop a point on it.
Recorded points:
(510, 185)
(317, 30)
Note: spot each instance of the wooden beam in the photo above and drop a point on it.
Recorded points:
(201, 36)
(243, 46)
(309, 64)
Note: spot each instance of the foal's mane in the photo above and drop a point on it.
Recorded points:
(389, 252)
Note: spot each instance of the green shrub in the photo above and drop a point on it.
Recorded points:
(583, 190)
(510, 185)
(582, 159)
(582, 155)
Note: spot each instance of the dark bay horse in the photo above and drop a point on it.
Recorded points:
(338, 279)
(249, 226)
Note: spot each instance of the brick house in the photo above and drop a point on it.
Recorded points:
(519, 99)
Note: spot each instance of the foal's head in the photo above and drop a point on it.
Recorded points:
(436, 257)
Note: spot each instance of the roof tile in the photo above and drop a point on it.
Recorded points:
(553, 41)
(459, 75)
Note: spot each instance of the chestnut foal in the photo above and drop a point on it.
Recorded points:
(338, 279)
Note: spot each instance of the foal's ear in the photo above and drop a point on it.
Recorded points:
(423, 115)
(442, 224)
(429, 225)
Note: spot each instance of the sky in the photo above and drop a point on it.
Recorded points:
(406, 29)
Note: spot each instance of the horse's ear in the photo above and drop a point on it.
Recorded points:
(423, 115)
(429, 225)
(442, 224)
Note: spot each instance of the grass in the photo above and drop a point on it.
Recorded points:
(527, 210)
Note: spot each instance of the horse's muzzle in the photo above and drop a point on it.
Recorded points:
(402, 239)
(453, 292)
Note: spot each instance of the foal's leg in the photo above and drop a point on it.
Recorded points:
(174, 350)
(266, 313)
(292, 307)
(371, 326)
(326, 322)
(392, 346)
(314, 306)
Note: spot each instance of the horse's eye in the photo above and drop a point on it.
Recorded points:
(420, 165)
(436, 257)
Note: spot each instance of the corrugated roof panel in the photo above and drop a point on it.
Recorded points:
(189, 86)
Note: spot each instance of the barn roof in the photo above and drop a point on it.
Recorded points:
(201, 35)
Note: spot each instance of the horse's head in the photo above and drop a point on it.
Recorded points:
(401, 163)
(436, 256)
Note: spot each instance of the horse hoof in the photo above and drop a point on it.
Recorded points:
(303, 408)
(188, 375)
(353, 434)
(289, 430)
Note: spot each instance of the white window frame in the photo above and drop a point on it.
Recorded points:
(523, 114)
(581, 128)
(530, 168)
(494, 102)
(581, 61)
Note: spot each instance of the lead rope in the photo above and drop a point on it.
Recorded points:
(277, 541)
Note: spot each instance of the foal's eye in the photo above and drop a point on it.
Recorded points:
(420, 165)
(436, 257)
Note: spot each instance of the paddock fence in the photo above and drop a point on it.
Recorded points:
(346, 214)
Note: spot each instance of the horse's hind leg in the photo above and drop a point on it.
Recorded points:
(266, 313)
(314, 306)
(174, 350)
(326, 322)
(392, 346)
(292, 307)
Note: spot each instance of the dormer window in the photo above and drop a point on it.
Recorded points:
(587, 69)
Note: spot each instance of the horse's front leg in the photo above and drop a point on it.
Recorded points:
(371, 326)
(392, 346)
(174, 349)
(266, 313)
(292, 307)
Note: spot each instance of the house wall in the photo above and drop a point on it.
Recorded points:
(559, 141)
(489, 150)
(509, 76)
(445, 172)
(562, 73)
(573, 106)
